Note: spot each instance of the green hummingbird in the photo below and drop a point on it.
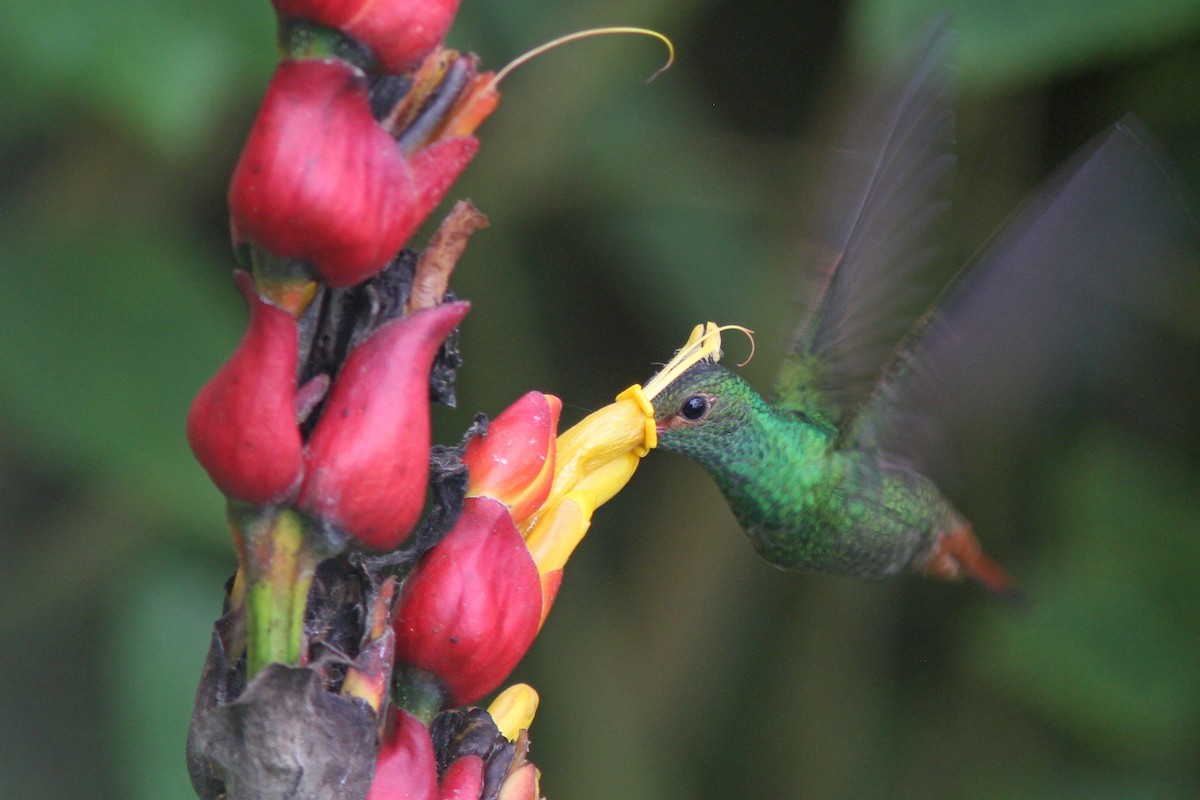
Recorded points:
(834, 474)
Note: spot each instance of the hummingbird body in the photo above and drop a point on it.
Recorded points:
(805, 502)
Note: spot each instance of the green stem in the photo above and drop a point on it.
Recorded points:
(419, 693)
(279, 562)
(299, 38)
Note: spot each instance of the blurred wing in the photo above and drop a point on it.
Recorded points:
(1056, 306)
(879, 237)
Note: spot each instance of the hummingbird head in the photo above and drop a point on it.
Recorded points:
(702, 407)
(697, 402)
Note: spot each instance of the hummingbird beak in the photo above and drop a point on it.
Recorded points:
(671, 423)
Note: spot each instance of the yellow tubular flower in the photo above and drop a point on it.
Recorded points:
(620, 433)
(594, 460)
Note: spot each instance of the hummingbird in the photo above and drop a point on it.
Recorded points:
(833, 474)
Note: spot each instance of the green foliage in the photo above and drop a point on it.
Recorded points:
(149, 670)
(675, 663)
(1108, 656)
(1028, 41)
(156, 70)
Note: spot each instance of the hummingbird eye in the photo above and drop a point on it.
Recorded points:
(694, 408)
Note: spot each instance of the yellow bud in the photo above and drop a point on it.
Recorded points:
(513, 710)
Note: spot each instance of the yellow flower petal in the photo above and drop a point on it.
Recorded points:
(558, 531)
(513, 710)
(607, 479)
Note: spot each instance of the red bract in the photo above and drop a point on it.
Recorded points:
(367, 461)
(405, 768)
(471, 607)
(399, 32)
(514, 461)
(242, 425)
(463, 780)
(320, 180)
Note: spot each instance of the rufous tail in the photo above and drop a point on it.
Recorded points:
(957, 552)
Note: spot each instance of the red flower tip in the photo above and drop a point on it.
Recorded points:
(514, 461)
(406, 768)
(368, 457)
(521, 784)
(471, 607)
(399, 32)
(321, 180)
(242, 425)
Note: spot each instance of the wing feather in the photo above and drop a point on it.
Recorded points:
(887, 196)
(1060, 301)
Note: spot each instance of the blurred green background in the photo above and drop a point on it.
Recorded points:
(676, 664)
